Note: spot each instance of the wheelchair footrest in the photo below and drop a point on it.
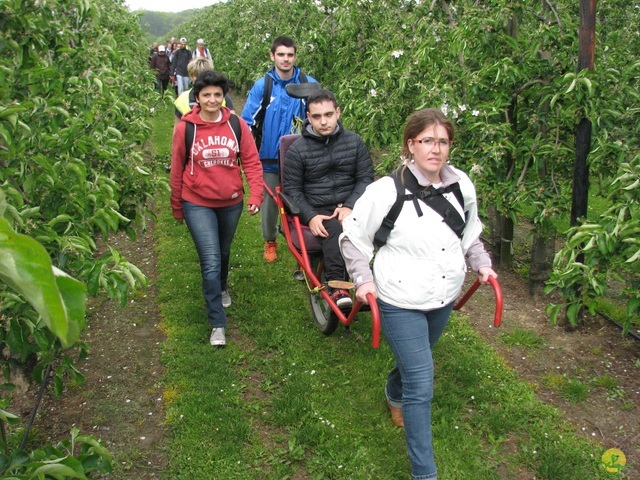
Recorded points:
(341, 285)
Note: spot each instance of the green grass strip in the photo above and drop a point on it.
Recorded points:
(284, 401)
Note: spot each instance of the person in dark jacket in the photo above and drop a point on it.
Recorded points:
(179, 61)
(162, 65)
(324, 173)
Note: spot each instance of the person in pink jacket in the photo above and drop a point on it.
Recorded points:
(207, 189)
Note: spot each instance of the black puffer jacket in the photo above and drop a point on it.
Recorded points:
(180, 58)
(322, 172)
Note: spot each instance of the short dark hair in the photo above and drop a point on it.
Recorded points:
(284, 42)
(322, 95)
(210, 78)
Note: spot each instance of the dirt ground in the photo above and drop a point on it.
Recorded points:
(120, 401)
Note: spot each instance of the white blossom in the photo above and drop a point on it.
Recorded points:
(397, 53)
(476, 170)
(373, 92)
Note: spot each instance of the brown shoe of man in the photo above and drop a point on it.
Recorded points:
(396, 415)
(270, 254)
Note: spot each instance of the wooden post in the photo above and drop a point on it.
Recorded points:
(580, 196)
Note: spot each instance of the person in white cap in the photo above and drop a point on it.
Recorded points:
(162, 65)
(201, 51)
(179, 61)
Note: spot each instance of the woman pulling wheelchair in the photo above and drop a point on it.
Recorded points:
(418, 273)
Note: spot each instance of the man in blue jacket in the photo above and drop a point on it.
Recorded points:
(270, 117)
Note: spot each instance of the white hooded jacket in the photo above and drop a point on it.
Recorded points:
(422, 265)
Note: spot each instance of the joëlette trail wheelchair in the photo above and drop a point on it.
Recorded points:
(307, 251)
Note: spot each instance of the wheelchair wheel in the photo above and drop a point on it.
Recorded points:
(323, 316)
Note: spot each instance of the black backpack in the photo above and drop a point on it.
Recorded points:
(430, 196)
(190, 131)
(258, 121)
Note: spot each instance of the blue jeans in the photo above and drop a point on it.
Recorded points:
(411, 334)
(183, 83)
(212, 230)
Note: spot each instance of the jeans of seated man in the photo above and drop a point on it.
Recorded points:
(411, 334)
(212, 230)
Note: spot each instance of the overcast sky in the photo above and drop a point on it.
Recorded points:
(167, 5)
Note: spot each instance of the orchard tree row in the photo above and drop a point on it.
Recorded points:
(75, 101)
(508, 73)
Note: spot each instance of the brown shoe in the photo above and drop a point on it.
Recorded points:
(396, 415)
(270, 254)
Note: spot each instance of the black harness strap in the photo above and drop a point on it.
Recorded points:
(430, 196)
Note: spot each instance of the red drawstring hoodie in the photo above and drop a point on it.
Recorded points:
(212, 177)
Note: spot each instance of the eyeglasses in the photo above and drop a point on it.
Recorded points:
(431, 142)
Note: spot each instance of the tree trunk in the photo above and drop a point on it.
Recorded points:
(506, 242)
(501, 236)
(542, 252)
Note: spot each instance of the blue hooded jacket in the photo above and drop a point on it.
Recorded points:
(279, 116)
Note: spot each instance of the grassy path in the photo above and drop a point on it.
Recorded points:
(282, 401)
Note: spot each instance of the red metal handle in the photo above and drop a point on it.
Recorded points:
(375, 321)
(497, 317)
(269, 191)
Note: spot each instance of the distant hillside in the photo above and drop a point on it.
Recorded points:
(156, 25)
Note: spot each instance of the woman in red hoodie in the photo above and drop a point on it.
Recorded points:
(207, 189)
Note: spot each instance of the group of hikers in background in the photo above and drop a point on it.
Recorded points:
(170, 63)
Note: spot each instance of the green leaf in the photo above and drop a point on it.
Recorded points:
(9, 418)
(552, 311)
(60, 469)
(26, 267)
(572, 313)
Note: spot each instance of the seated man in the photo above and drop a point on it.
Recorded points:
(325, 172)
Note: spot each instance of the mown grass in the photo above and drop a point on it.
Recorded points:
(283, 401)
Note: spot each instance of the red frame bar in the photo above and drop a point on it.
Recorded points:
(302, 257)
(497, 317)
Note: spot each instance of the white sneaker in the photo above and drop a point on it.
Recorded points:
(217, 338)
(226, 299)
